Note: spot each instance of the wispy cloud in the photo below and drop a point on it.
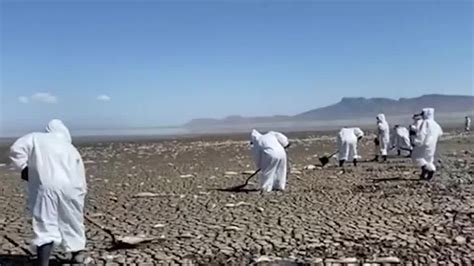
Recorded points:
(44, 97)
(23, 99)
(103, 98)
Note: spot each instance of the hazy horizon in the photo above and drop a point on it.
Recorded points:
(160, 64)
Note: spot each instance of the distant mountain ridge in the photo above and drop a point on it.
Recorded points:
(357, 108)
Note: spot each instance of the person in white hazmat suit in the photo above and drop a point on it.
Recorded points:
(467, 123)
(56, 189)
(401, 140)
(413, 128)
(425, 144)
(270, 157)
(383, 137)
(347, 140)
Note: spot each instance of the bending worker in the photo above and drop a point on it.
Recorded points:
(270, 157)
(347, 143)
(401, 139)
(425, 144)
(383, 136)
(56, 189)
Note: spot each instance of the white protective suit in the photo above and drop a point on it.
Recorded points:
(270, 157)
(425, 141)
(467, 123)
(401, 139)
(383, 134)
(413, 129)
(56, 186)
(347, 143)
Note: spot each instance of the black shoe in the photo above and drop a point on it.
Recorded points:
(430, 175)
(399, 152)
(384, 158)
(341, 163)
(44, 252)
(354, 162)
(424, 172)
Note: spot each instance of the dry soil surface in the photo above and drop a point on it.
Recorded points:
(377, 213)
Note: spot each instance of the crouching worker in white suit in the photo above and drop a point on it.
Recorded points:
(425, 144)
(401, 140)
(347, 143)
(270, 157)
(56, 189)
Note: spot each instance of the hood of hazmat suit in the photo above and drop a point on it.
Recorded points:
(282, 139)
(426, 139)
(383, 134)
(358, 132)
(56, 186)
(57, 127)
(270, 157)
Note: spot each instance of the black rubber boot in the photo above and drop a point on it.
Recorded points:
(44, 252)
(354, 162)
(341, 163)
(384, 158)
(399, 152)
(423, 172)
(430, 174)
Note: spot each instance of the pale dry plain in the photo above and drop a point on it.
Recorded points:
(374, 213)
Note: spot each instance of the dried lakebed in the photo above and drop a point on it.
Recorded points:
(169, 190)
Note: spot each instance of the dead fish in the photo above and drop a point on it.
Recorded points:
(145, 195)
(232, 228)
(231, 205)
(159, 225)
(231, 173)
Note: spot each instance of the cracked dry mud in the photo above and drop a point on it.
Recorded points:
(375, 214)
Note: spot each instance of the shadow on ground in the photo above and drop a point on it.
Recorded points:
(13, 260)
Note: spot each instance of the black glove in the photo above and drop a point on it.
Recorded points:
(24, 174)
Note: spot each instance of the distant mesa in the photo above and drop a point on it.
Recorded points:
(355, 107)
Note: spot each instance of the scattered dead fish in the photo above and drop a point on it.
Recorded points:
(186, 176)
(95, 215)
(159, 225)
(231, 173)
(135, 240)
(240, 203)
(232, 228)
(185, 235)
(262, 259)
(146, 195)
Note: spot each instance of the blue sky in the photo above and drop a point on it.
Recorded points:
(158, 63)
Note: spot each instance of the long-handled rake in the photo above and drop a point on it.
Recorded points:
(240, 187)
(325, 159)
